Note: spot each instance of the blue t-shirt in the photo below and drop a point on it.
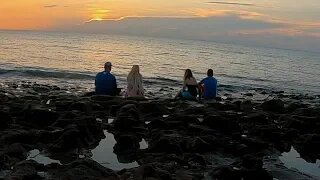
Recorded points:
(106, 84)
(210, 87)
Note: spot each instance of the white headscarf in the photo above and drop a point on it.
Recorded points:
(134, 83)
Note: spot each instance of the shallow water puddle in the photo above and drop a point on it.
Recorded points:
(104, 155)
(110, 120)
(143, 144)
(292, 159)
(40, 158)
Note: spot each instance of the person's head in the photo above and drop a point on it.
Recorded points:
(135, 69)
(210, 72)
(107, 66)
(188, 74)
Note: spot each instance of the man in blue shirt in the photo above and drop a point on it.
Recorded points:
(105, 82)
(209, 86)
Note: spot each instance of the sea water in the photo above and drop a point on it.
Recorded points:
(66, 58)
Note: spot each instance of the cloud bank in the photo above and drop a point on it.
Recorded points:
(238, 28)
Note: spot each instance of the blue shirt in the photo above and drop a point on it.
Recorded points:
(210, 87)
(106, 84)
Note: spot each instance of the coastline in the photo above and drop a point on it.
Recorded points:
(233, 137)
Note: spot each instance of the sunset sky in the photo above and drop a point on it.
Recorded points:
(207, 19)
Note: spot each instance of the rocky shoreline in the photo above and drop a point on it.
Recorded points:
(229, 138)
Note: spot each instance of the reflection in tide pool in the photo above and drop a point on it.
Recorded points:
(104, 155)
(292, 159)
(40, 158)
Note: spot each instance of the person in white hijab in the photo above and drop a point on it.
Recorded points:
(134, 83)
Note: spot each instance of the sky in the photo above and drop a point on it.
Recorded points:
(274, 23)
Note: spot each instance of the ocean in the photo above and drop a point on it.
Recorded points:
(74, 59)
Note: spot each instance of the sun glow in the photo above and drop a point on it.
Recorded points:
(99, 14)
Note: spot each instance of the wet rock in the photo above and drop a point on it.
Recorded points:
(198, 145)
(5, 97)
(256, 118)
(38, 118)
(18, 136)
(274, 105)
(158, 124)
(293, 106)
(83, 107)
(166, 145)
(156, 108)
(68, 140)
(26, 170)
(220, 123)
(5, 120)
(62, 105)
(103, 98)
(254, 144)
(246, 105)
(84, 133)
(126, 144)
(311, 144)
(186, 119)
(146, 171)
(129, 110)
(41, 88)
(82, 169)
(226, 173)
(124, 123)
(16, 150)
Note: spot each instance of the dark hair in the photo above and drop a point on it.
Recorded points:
(188, 74)
(210, 72)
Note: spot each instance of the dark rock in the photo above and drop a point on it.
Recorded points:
(62, 105)
(256, 118)
(254, 144)
(38, 118)
(84, 107)
(124, 123)
(158, 124)
(41, 89)
(26, 170)
(246, 105)
(126, 143)
(103, 98)
(129, 110)
(18, 136)
(220, 123)
(156, 109)
(5, 120)
(226, 173)
(166, 145)
(311, 143)
(293, 106)
(274, 105)
(81, 170)
(186, 119)
(198, 145)
(16, 150)
(68, 140)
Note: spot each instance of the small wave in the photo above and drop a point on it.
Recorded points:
(243, 77)
(159, 54)
(45, 73)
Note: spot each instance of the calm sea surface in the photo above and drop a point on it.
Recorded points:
(76, 58)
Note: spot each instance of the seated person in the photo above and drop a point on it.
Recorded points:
(134, 83)
(105, 82)
(190, 86)
(208, 86)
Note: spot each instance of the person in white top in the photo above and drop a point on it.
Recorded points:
(134, 83)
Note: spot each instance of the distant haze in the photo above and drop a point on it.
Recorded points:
(282, 24)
